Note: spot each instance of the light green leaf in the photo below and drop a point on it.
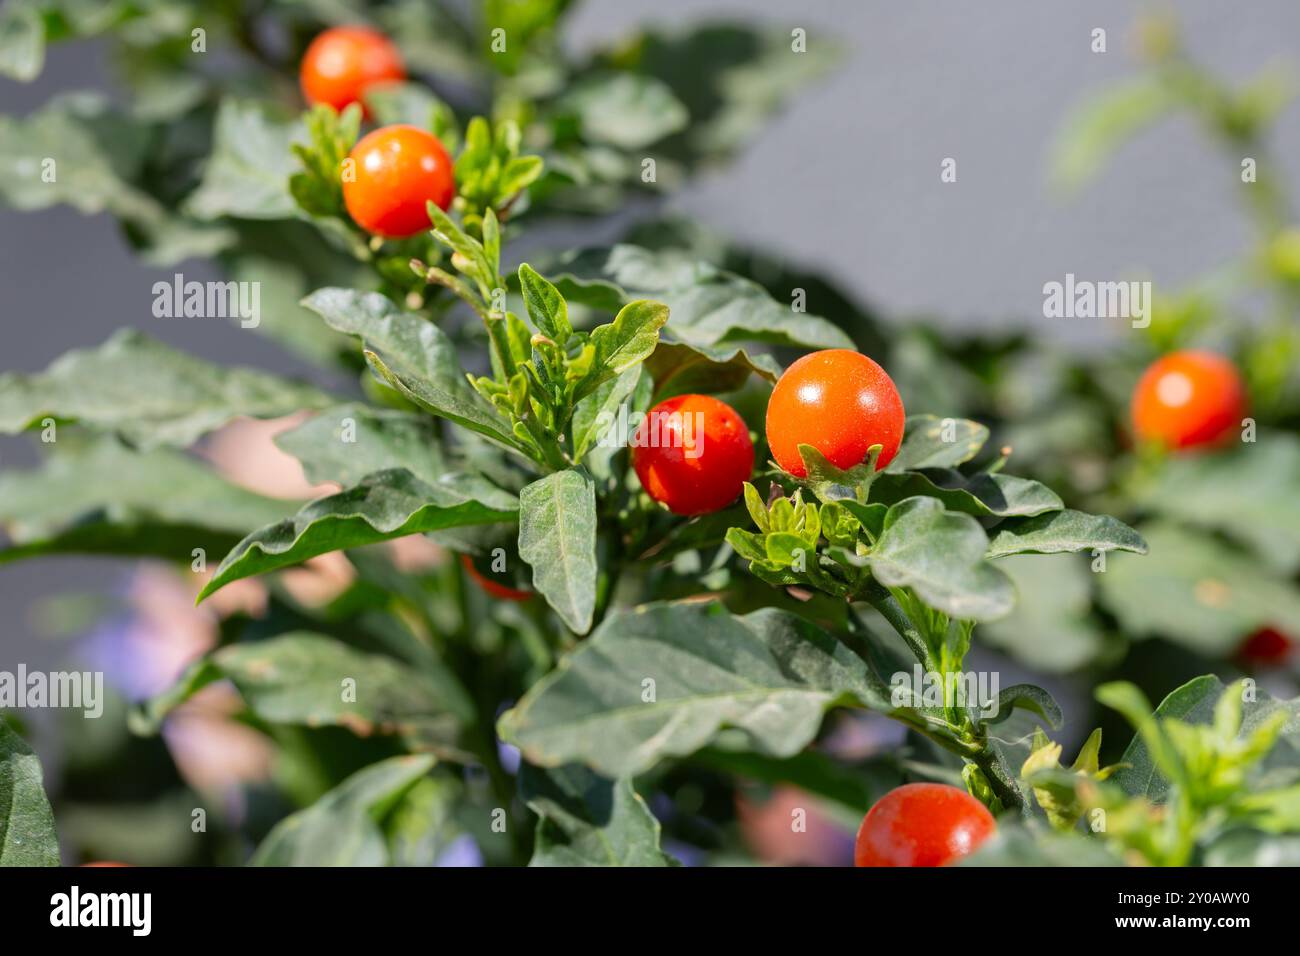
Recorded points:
(546, 307)
(626, 341)
(27, 834)
(146, 392)
(1034, 846)
(589, 820)
(665, 679)
(385, 505)
(940, 555)
(22, 41)
(557, 538)
(344, 827)
(595, 414)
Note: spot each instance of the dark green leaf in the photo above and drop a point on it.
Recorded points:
(589, 820)
(1062, 531)
(345, 443)
(625, 111)
(663, 680)
(344, 827)
(940, 555)
(27, 834)
(160, 503)
(385, 505)
(982, 494)
(933, 442)
(247, 175)
(146, 392)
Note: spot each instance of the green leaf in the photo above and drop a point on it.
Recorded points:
(414, 356)
(27, 833)
(415, 105)
(22, 41)
(595, 414)
(160, 503)
(299, 678)
(665, 679)
(625, 111)
(679, 369)
(1028, 697)
(933, 442)
(625, 342)
(1195, 703)
(1249, 495)
(1196, 591)
(344, 827)
(1051, 628)
(708, 307)
(557, 538)
(1102, 124)
(386, 505)
(546, 307)
(983, 494)
(247, 174)
(589, 820)
(146, 392)
(940, 555)
(345, 443)
(1033, 846)
(1063, 531)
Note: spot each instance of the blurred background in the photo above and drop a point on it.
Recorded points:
(845, 181)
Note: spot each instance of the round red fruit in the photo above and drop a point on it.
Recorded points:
(1188, 399)
(922, 824)
(839, 402)
(344, 62)
(1267, 647)
(395, 172)
(494, 588)
(693, 453)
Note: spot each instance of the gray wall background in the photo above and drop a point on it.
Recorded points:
(847, 180)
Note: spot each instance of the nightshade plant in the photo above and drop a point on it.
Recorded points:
(657, 649)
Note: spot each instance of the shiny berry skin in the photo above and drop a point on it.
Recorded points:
(397, 170)
(693, 453)
(1267, 647)
(840, 402)
(922, 824)
(343, 62)
(1188, 399)
(493, 588)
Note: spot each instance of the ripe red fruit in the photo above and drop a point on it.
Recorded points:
(841, 403)
(693, 453)
(1267, 646)
(396, 170)
(494, 588)
(343, 62)
(922, 824)
(1188, 399)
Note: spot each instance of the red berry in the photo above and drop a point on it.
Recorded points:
(922, 824)
(693, 453)
(495, 588)
(1267, 646)
(839, 402)
(1188, 399)
(396, 171)
(343, 62)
